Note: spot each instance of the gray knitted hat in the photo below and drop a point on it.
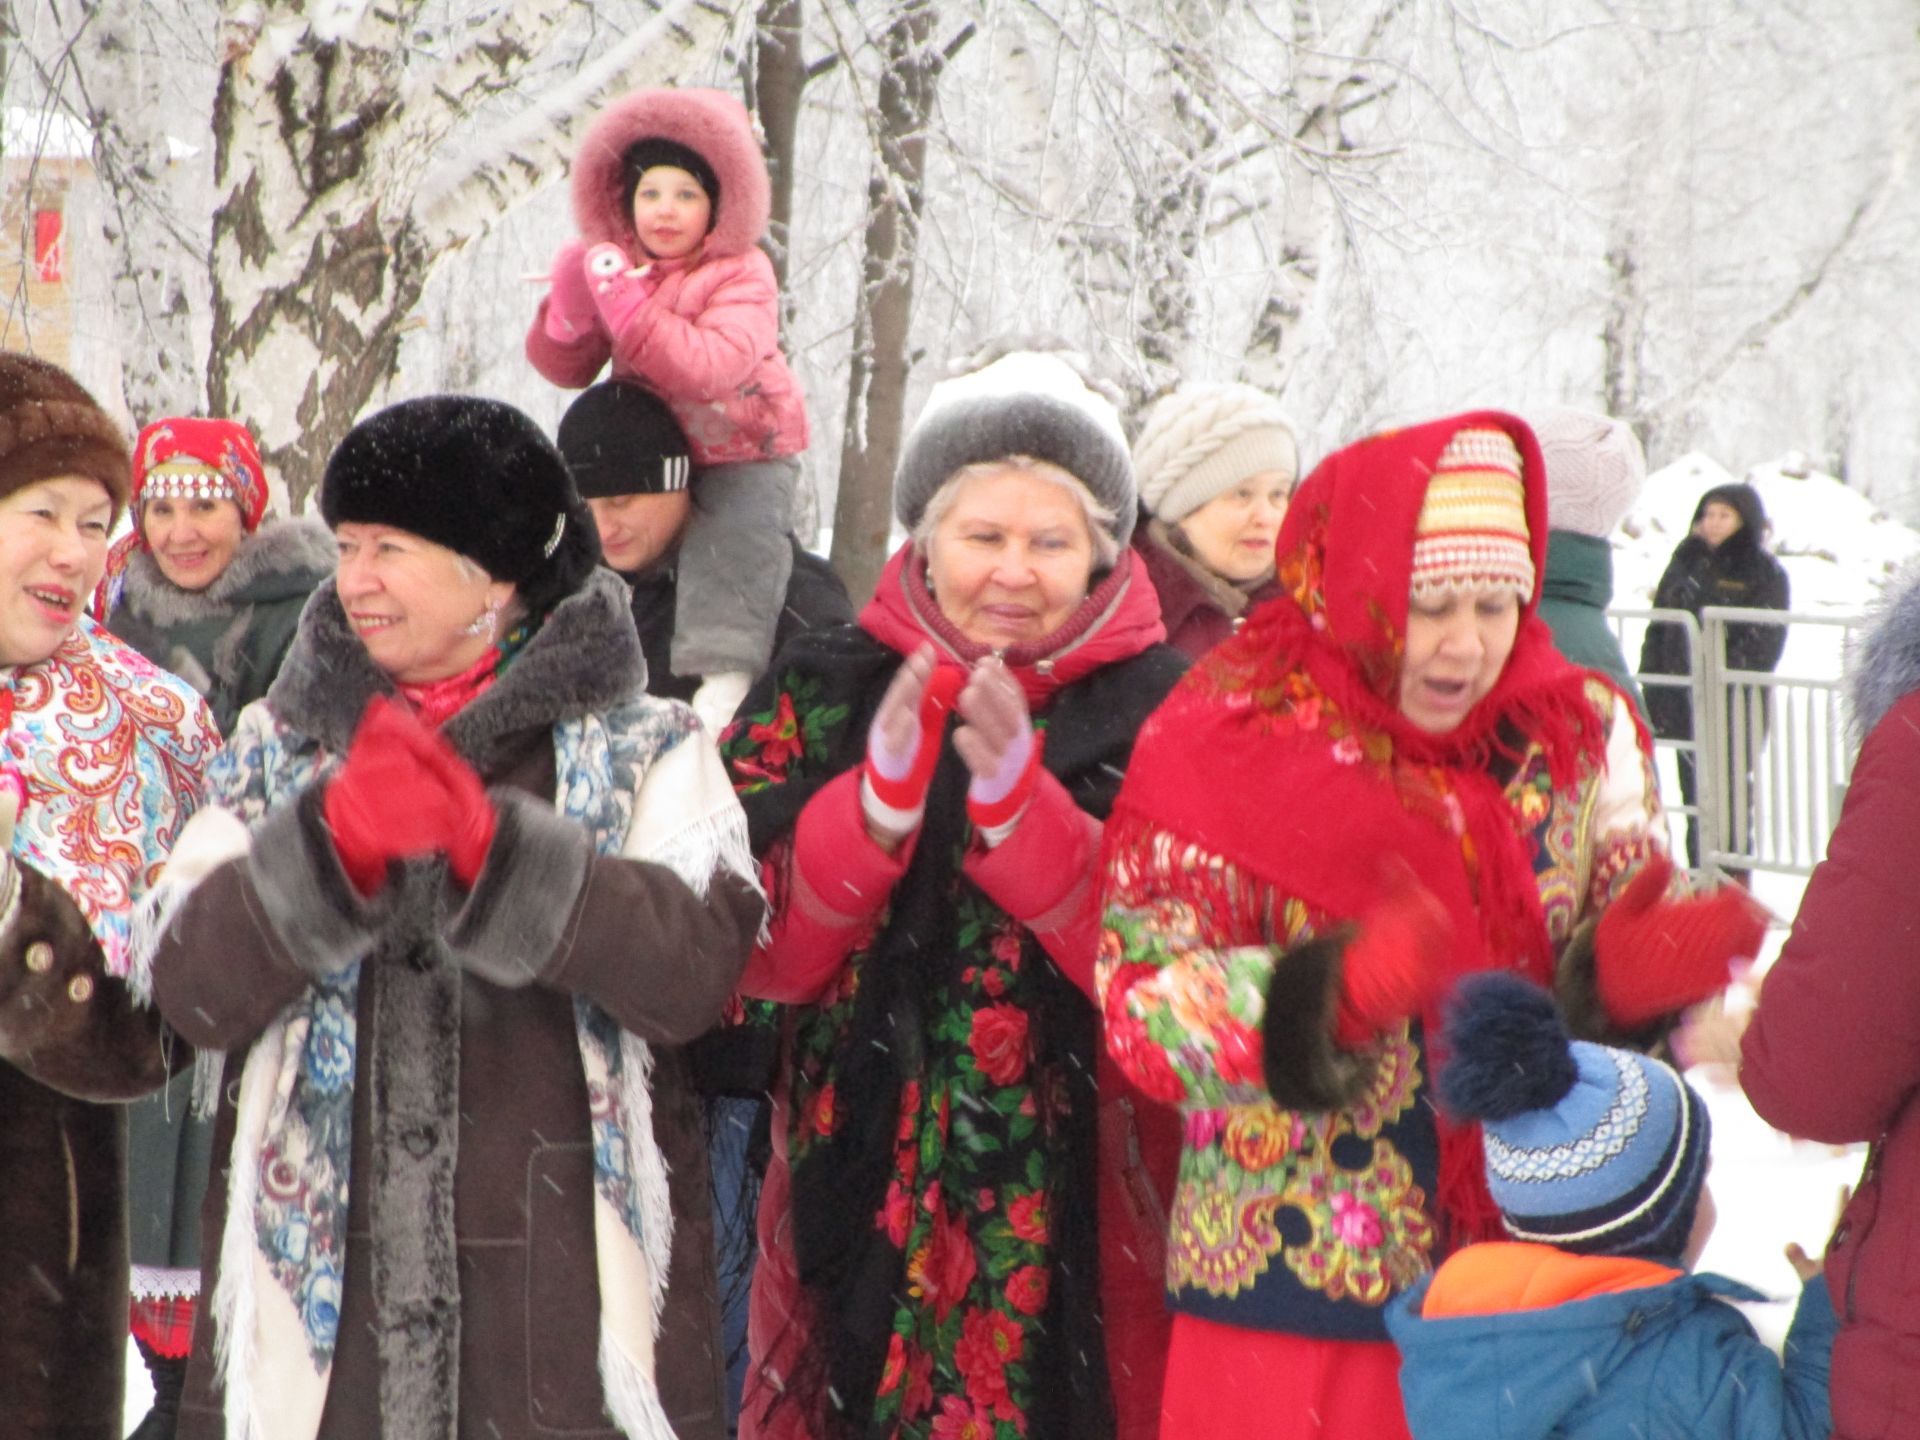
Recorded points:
(1027, 402)
(1595, 468)
(1203, 439)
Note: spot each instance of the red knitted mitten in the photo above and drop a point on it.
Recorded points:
(1655, 956)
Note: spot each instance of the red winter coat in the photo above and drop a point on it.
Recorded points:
(1043, 875)
(707, 338)
(1833, 1052)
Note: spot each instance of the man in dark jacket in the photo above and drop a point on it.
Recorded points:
(630, 461)
(1723, 561)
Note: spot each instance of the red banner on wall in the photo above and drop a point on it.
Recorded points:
(49, 244)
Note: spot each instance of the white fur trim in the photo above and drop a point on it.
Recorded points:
(632, 1397)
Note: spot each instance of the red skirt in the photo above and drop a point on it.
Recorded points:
(1226, 1383)
(165, 1323)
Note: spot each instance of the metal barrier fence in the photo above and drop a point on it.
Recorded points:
(1770, 753)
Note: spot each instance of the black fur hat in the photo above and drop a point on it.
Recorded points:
(476, 476)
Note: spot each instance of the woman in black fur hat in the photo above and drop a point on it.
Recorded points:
(462, 874)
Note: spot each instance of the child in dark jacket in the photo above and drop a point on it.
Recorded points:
(1589, 1324)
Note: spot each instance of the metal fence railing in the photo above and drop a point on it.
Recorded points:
(1769, 753)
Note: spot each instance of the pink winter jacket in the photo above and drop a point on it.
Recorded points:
(705, 339)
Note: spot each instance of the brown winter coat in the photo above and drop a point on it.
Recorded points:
(70, 1037)
(632, 937)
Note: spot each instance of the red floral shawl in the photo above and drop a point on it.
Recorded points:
(1284, 752)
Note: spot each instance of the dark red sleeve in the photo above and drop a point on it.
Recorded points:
(1833, 1052)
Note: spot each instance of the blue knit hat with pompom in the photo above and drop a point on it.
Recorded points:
(1590, 1149)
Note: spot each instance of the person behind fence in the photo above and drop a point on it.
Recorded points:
(1388, 780)
(1587, 1323)
(1722, 561)
(671, 197)
(1595, 468)
(458, 874)
(101, 757)
(1833, 1050)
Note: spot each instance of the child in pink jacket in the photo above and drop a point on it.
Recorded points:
(671, 197)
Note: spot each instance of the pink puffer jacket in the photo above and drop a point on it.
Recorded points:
(704, 337)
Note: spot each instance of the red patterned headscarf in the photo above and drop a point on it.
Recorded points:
(221, 463)
(1284, 750)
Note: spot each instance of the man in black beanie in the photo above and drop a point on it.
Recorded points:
(630, 462)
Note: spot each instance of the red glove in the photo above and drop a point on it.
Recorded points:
(570, 309)
(402, 793)
(1655, 956)
(471, 818)
(893, 791)
(1387, 969)
(382, 806)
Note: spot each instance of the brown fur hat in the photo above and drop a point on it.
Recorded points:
(50, 426)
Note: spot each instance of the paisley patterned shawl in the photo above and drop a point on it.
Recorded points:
(112, 750)
(1298, 715)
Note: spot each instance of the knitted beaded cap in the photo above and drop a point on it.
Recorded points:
(1472, 530)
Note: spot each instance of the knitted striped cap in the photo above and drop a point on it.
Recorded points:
(1592, 1149)
(1472, 530)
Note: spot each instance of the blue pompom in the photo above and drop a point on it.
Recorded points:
(1507, 1050)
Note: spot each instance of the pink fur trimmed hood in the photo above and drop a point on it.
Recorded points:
(711, 123)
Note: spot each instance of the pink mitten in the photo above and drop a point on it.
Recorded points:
(618, 289)
(570, 312)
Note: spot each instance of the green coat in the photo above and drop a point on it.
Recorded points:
(227, 641)
(1573, 602)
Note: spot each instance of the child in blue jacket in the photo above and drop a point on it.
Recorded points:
(1588, 1325)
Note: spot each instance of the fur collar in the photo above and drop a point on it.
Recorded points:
(281, 558)
(585, 658)
(1883, 661)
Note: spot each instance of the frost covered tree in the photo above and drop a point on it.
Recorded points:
(344, 168)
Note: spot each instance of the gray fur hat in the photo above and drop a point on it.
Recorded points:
(1027, 402)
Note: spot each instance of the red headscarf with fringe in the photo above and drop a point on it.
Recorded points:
(1284, 750)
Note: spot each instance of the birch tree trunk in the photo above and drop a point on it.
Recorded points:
(877, 375)
(335, 201)
(130, 86)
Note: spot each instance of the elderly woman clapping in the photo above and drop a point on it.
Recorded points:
(463, 875)
(932, 1223)
(101, 764)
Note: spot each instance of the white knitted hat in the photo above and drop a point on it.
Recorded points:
(1203, 439)
(1595, 468)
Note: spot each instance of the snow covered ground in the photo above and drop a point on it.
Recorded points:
(1839, 551)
